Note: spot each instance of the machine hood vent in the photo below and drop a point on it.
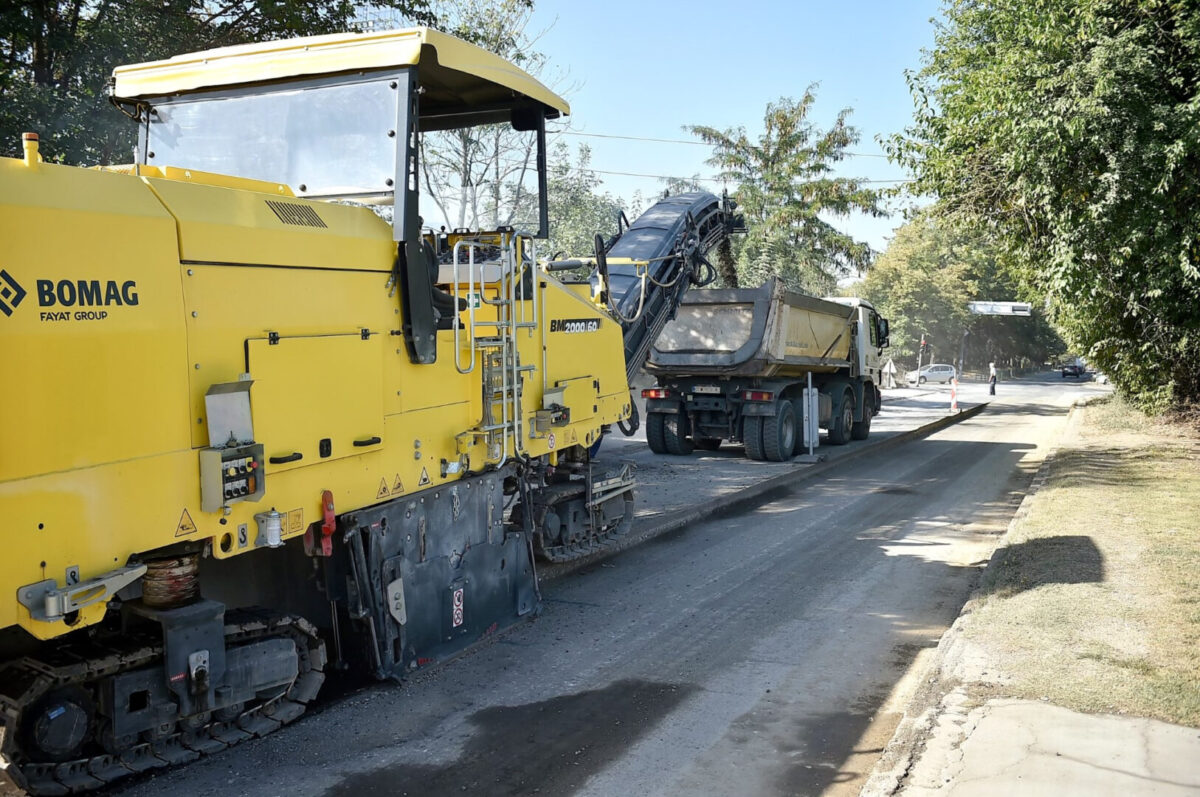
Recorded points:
(295, 214)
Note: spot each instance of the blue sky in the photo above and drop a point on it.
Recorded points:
(647, 68)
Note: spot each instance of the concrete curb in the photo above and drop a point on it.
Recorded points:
(952, 707)
(656, 527)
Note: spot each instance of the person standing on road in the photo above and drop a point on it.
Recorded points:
(992, 378)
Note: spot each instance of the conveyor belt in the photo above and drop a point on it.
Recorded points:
(673, 235)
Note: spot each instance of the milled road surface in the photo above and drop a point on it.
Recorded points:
(761, 652)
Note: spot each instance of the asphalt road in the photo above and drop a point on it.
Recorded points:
(761, 652)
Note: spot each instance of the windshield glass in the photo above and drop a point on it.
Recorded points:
(480, 178)
(322, 139)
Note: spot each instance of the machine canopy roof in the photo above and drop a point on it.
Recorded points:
(458, 78)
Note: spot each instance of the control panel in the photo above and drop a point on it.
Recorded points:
(231, 474)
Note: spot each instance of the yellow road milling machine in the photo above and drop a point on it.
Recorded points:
(259, 417)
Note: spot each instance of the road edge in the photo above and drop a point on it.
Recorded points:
(941, 693)
(664, 525)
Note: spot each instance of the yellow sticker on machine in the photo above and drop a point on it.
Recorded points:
(398, 487)
(186, 526)
(383, 491)
(295, 523)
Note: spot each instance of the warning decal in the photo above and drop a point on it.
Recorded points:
(398, 487)
(186, 526)
(424, 478)
(295, 521)
(456, 614)
(550, 441)
(383, 492)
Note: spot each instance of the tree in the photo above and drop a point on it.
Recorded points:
(482, 177)
(1072, 129)
(578, 209)
(923, 282)
(787, 189)
(56, 57)
(921, 285)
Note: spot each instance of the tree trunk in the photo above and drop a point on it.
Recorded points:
(726, 268)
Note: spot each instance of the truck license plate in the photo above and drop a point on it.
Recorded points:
(709, 389)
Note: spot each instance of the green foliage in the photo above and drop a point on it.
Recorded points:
(1072, 129)
(786, 189)
(56, 58)
(578, 209)
(923, 282)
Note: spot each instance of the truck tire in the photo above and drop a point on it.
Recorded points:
(862, 429)
(707, 443)
(752, 435)
(675, 434)
(779, 433)
(654, 432)
(841, 425)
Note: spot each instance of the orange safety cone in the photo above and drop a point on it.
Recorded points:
(954, 394)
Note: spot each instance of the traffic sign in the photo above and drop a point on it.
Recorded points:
(1000, 308)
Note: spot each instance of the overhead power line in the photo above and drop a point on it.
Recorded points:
(685, 141)
(693, 179)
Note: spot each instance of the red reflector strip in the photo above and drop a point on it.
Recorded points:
(656, 393)
(758, 395)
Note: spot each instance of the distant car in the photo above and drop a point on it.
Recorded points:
(934, 372)
(1072, 369)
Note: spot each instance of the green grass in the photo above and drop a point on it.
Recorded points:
(1094, 601)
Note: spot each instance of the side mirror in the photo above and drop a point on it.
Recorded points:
(527, 117)
(884, 342)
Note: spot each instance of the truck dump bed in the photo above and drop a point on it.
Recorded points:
(763, 332)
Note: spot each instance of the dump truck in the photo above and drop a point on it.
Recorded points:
(734, 363)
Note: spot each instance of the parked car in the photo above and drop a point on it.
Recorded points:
(934, 372)
(1072, 369)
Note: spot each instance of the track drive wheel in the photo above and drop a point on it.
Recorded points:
(753, 437)
(654, 432)
(841, 425)
(779, 433)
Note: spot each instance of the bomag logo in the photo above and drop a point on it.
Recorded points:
(11, 293)
(69, 294)
(570, 325)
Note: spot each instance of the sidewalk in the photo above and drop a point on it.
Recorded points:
(1030, 748)
(1095, 613)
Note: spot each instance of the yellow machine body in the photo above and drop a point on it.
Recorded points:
(251, 414)
(144, 290)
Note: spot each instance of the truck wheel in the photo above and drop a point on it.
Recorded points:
(752, 435)
(707, 443)
(779, 433)
(841, 425)
(862, 429)
(654, 432)
(675, 434)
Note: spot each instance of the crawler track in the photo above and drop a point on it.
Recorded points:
(84, 663)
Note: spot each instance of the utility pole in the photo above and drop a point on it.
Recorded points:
(920, 352)
(962, 353)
